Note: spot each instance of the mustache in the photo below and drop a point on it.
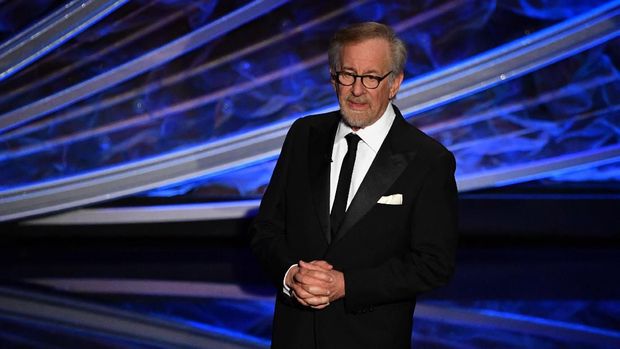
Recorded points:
(358, 100)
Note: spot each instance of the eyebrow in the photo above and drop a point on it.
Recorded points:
(364, 73)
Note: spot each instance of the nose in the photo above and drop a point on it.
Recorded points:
(358, 89)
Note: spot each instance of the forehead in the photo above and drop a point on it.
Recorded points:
(366, 56)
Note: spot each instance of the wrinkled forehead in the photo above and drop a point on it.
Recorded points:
(370, 55)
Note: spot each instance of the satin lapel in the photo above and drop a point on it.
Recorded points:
(320, 152)
(388, 165)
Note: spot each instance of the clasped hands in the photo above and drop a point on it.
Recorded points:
(315, 284)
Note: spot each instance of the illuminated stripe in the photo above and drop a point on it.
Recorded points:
(153, 214)
(512, 60)
(591, 28)
(173, 79)
(518, 105)
(242, 209)
(540, 169)
(138, 66)
(531, 325)
(52, 31)
(85, 61)
(459, 316)
(65, 312)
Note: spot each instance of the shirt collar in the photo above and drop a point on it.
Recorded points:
(372, 135)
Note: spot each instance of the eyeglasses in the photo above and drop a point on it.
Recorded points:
(348, 79)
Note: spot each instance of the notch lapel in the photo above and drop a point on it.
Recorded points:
(389, 164)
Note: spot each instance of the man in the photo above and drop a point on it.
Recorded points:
(360, 214)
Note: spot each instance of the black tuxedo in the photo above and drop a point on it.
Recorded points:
(388, 253)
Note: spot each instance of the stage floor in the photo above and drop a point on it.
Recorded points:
(506, 293)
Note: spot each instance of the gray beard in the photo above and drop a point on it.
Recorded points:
(357, 122)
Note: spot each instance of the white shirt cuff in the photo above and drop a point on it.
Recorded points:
(285, 289)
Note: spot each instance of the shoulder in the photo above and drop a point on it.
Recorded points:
(317, 120)
(426, 147)
(323, 123)
(407, 136)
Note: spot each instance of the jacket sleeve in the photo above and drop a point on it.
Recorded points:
(430, 260)
(268, 231)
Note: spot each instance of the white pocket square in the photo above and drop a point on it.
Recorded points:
(394, 199)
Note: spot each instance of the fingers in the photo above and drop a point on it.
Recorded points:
(299, 299)
(314, 303)
(316, 291)
(313, 277)
(307, 291)
(316, 265)
(314, 287)
(312, 283)
(320, 302)
(318, 307)
(315, 271)
(308, 299)
(322, 264)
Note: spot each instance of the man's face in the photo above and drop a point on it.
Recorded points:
(361, 106)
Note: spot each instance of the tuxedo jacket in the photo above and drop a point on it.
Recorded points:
(389, 252)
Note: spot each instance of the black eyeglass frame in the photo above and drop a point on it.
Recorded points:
(336, 77)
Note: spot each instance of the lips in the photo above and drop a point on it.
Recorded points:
(357, 104)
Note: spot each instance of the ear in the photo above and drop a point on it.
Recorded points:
(396, 85)
(331, 79)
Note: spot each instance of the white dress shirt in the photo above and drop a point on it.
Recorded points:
(372, 138)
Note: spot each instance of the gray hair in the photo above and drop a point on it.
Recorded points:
(364, 31)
